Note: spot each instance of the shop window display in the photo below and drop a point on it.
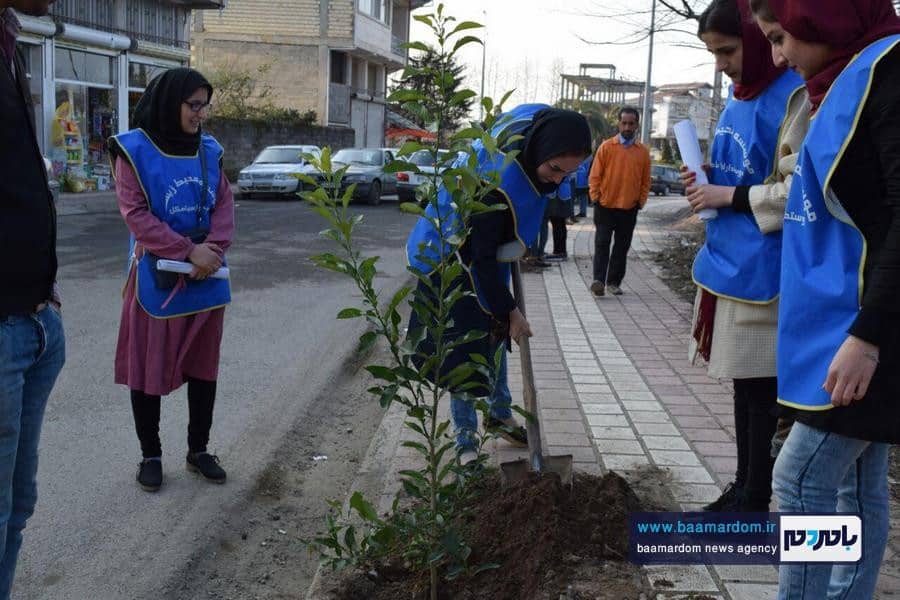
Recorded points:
(85, 118)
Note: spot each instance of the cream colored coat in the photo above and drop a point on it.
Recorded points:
(743, 341)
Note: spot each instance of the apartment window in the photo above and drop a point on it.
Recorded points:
(372, 79)
(338, 67)
(377, 9)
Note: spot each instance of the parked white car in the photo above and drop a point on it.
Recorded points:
(272, 172)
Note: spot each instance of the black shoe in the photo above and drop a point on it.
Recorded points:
(557, 256)
(509, 430)
(149, 475)
(207, 465)
(729, 501)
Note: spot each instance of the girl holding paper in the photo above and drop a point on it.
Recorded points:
(736, 270)
(177, 204)
(839, 326)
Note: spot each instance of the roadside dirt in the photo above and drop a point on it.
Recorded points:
(550, 542)
(675, 261)
(257, 552)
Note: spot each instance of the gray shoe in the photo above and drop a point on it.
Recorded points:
(598, 288)
(614, 290)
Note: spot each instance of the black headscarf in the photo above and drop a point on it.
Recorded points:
(553, 132)
(158, 112)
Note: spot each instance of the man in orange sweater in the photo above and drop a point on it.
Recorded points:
(619, 184)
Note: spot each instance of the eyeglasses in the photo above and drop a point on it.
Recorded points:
(198, 106)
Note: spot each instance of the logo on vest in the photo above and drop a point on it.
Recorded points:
(745, 165)
(809, 214)
(175, 188)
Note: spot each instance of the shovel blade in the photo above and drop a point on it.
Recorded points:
(517, 470)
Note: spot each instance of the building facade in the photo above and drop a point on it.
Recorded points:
(675, 102)
(87, 64)
(327, 56)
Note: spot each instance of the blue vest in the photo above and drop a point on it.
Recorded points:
(564, 192)
(824, 253)
(738, 261)
(582, 173)
(525, 205)
(171, 185)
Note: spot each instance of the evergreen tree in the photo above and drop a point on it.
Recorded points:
(425, 70)
(668, 157)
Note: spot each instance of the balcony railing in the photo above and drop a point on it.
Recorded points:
(200, 4)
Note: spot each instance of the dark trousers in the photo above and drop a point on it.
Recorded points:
(559, 234)
(145, 407)
(754, 424)
(608, 222)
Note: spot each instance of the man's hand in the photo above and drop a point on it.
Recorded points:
(851, 371)
(518, 325)
(206, 260)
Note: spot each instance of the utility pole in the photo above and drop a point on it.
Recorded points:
(483, 52)
(647, 112)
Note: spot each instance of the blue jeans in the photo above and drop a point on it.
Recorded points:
(582, 196)
(465, 419)
(32, 352)
(817, 471)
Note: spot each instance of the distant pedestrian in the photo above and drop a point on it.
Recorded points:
(581, 187)
(177, 204)
(32, 343)
(619, 184)
(559, 210)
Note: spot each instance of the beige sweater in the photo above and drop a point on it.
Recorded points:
(743, 342)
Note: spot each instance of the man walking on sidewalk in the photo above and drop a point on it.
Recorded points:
(619, 185)
(32, 350)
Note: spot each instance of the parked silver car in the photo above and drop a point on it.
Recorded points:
(366, 170)
(272, 172)
(409, 181)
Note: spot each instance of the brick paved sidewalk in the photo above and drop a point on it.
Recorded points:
(617, 392)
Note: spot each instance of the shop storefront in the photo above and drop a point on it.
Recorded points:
(85, 85)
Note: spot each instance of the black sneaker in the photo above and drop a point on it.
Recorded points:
(206, 465)
(149, 475)
(509, 430)
(728, 501)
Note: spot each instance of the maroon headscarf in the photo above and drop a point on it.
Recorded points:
(757, 68)
(847, 26)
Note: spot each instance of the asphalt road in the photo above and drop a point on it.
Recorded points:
(95, 534)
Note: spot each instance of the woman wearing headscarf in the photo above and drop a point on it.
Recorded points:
(839, 329)
(553, 144)
(735, 312)
(177, 204)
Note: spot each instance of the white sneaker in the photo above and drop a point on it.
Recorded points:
(467, 456)
(614, 290)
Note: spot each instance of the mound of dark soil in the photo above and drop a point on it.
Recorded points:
(547, 540)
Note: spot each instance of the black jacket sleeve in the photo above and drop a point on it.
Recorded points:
(489, 231)
(880, 309)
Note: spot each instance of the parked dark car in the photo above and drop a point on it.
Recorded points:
(665, 180)
(366, 170)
